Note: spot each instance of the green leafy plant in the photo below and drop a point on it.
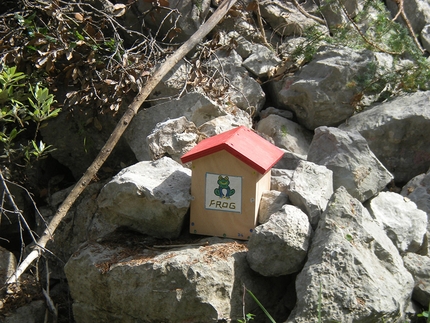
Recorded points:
(21, 106)
(372, 29)
(41, 104)
(248, 317)
(425, 314)
(284, 130)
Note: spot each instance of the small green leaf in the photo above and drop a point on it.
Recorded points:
(284, 130)
(261, 306)
(79, 35)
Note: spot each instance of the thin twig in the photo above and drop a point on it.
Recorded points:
(16, 208)
(306, 14)
(362, 35)
(401, 13)
(261, 26)
(168, 246)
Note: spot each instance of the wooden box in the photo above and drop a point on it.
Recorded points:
(229, 173)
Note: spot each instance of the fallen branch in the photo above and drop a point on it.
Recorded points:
(401, 13)
(368, 41)
(123, 123)
(308, 15)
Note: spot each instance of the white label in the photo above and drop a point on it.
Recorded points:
(223, 193)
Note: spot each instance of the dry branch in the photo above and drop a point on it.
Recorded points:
(123, 123)
(401, 13)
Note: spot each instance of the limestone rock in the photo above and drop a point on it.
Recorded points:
(271, 202)
(172, 84)
(126, 282)
(224, 123)
(418, 13)
(353, 164)
(310, 189)
(272, 110)
(196, 107)
(287, 235)
(418, 191)
(243, 91)
(419, 267)
(425, 37)
(81, 223)
(290, 160)
(331, 11)
(176, 19)
(149, 197)
(353, 272)
(172, 138)
(285, 18)
(404, 224)
(286, 134)
(318, 94)
(281, 179)
(261, 61)
(397, 133)
(78, 138)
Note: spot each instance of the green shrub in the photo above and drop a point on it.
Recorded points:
(23, 109)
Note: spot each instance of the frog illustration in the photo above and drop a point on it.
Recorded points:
(223, 190)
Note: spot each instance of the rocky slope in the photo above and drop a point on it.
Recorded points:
(342, 233)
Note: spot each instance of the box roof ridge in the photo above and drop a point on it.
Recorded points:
(241, 142)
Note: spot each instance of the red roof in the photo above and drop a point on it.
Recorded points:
(242, 143)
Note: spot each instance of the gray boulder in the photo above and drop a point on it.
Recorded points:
(78, 138)
(417, 11)
(279, 246)
(81, 223)
(353, 164)
(243, 90)
(285, 18)
(172, 84)
(261, 61)
(354, 272)
(224, 123)
(175, 20)
(418, 191)
(332, 12)
(243, 46)
(149, 197)
(172, 138)
(271, 202)
(404, 224)
(319, 94)
(397, 132)
(289, 160)
(280, 179)
(272, 110)
(126, 279)
(425, 37)
(419, 267)
(194, 106)
(286, 134)
(310, 189)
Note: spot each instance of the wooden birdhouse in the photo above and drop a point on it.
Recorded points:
(230, 171)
